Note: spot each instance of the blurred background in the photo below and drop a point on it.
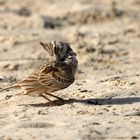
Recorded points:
(105, 34)
(98, 30)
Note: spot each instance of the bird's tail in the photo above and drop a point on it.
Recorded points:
(10, 87)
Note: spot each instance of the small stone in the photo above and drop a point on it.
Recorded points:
(23, 11)
(90, 50)
(50, 22)
(2, 78)
(85, 90)
(96, 123)
(134, 137)
(7, 97)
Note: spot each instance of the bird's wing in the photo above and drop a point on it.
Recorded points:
(33, 83)
(45, 76)
(49, 77)
(34, 78)
(44, 79)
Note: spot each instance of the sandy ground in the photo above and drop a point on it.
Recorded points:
(106, 94)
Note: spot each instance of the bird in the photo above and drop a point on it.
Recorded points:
(57, 73)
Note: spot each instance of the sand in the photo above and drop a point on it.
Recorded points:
(105, 98)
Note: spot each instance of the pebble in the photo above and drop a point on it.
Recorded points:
(2, 78)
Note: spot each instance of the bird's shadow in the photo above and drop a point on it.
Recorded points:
(96, 101)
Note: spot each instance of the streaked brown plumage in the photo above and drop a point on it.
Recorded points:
(55, 74)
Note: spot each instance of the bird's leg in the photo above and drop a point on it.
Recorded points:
(55, 96)
(55, 102)
(45, 97)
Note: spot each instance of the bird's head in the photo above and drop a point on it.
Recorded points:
(65, 57)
